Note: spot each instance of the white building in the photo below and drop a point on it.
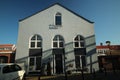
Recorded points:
(58, 40)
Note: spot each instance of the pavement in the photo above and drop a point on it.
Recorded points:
(96, 76)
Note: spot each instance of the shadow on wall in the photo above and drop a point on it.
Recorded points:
(91, 53)
(46, 57)
(93, 59)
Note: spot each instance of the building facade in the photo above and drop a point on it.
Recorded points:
(56, 40)
(7, 53)
(109, 57)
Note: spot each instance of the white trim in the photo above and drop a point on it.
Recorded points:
(79, 42)
(13, 47)
(58, 42)
(55, 18)
(35, 41)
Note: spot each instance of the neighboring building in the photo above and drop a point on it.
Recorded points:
(7, 53)
(56, 40)
(109, 56)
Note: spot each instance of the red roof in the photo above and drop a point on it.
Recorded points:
(112, 47)
(4, 48)
(5, 45)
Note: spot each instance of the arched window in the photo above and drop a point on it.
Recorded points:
(36, 41)
(80, 52)
(79, 42)
(58, 42)
(58, 19)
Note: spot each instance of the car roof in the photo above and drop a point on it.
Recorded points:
(5, 64)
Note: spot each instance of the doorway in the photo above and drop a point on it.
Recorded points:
(59, 63)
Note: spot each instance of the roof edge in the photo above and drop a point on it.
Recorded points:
(75, 13)
(61, 6)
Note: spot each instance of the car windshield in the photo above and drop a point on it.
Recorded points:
(11, 68)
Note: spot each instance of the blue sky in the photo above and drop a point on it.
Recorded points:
(105, 14)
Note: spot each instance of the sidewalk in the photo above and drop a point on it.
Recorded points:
(97, 76)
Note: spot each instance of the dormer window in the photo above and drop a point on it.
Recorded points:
(58, 19)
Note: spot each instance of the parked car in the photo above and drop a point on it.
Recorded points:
(11, 71)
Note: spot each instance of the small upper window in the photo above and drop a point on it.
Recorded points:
(58, 19)
(36, 41)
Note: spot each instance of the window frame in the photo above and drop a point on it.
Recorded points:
(80, 41)
(58, 16)
(36, 41)
(59, 39)
(82, 62)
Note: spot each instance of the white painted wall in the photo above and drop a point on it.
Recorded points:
(72, 25)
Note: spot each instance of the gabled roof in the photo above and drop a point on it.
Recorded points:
(64, 8)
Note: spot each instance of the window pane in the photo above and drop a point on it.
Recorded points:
(81, 38)
(38, 38)
(83, 61)
(82, 44)
(15, 68)
(61, 38)
(76, 44)
(31, 64)
(32, 60)
(61, 44)
(33, 38)
(77, 61)
(32, 44)
(55, 38)
(58, 20)
(55, 44)
(76, 38)
(38, 63)
(39, 44)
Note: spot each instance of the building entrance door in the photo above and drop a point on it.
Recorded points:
(59, 63)
(34, 63)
